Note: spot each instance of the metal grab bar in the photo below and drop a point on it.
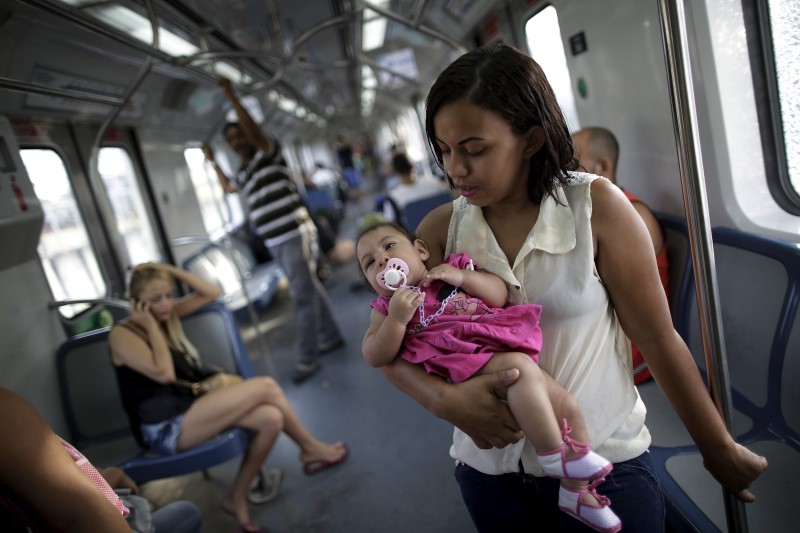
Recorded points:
(110, 302)
(687, 139)
(227, 249)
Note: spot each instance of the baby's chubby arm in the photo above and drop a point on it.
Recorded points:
(479, 283)
(385, 333)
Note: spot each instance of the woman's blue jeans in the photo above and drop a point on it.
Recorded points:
(521, 502)
(178, 517)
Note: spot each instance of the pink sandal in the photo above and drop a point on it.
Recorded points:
(585, 466)
(598, 517)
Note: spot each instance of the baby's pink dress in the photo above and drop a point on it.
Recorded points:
(457, 343)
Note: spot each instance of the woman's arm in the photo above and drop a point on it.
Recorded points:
(203, 292)
(150, 357)
(473, 406)
(626, 263)
(41, 474)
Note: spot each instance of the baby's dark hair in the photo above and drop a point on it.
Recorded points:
(386, 224)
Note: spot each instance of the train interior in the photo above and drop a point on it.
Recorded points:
(102, 120)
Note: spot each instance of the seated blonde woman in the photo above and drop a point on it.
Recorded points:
(152, 355)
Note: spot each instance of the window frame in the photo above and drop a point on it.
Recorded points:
(72, 311)
(761, 52)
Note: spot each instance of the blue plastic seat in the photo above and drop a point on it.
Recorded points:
(95, 415)
(762, 339)
(412, 213)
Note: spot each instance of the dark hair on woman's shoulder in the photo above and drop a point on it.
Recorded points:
(503, 80)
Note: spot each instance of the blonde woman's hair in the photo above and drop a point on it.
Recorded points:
(140, 277)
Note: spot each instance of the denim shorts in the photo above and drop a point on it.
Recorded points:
(513, 502)
(162, 437)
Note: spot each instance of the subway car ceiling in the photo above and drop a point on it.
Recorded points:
(313, 65)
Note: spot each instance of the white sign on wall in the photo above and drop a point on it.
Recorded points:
(134, 108)
(401, 61)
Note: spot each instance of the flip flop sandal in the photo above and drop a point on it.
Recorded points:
(314, 467)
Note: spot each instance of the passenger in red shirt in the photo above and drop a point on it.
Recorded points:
(598, 151)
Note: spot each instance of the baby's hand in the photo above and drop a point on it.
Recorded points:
(447, 273)
(404, 303)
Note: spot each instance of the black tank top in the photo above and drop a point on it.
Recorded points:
(149, 402)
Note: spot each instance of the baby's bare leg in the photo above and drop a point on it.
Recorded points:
(529, 399)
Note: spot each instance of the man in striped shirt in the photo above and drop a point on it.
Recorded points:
(279, 217)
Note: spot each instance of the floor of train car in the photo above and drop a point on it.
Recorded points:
(399, 476)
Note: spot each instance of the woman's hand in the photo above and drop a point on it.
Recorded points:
(403, 304)
(141, 315)
(474, 406)
(735, 467)
(118, 479)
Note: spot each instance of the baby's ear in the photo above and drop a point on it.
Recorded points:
(422, 248)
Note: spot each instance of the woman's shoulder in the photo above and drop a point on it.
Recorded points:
(578, 179)
(126, 328)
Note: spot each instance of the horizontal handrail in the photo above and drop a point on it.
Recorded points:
(113, 302)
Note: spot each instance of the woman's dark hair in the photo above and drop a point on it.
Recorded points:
(512, 85)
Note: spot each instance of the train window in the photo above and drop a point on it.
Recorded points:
(409, 130)
(784, 19)
(221, 212)
(69, 262)
(130, 215)
(543, 37)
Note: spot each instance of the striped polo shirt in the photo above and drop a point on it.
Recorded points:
(276, 209)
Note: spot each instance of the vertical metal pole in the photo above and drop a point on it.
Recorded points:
(687, 138)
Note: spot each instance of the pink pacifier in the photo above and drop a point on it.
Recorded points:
(394, 275)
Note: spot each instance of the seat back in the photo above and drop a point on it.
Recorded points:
(413, 212)
(758, 281)
(681, 277)
(93, 407)
(759, 300)
(89, 393)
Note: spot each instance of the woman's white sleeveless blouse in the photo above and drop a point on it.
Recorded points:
(584, 348)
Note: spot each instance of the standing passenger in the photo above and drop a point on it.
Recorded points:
(280, 218)
(598, 152)
(574, 245)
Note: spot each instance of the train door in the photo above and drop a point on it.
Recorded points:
(92, 231)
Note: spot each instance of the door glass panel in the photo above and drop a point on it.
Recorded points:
(543, 36)
(130, 215)
(221, 212)
(68, 259)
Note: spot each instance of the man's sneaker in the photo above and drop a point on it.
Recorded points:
(331, 345)
(303, 371)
